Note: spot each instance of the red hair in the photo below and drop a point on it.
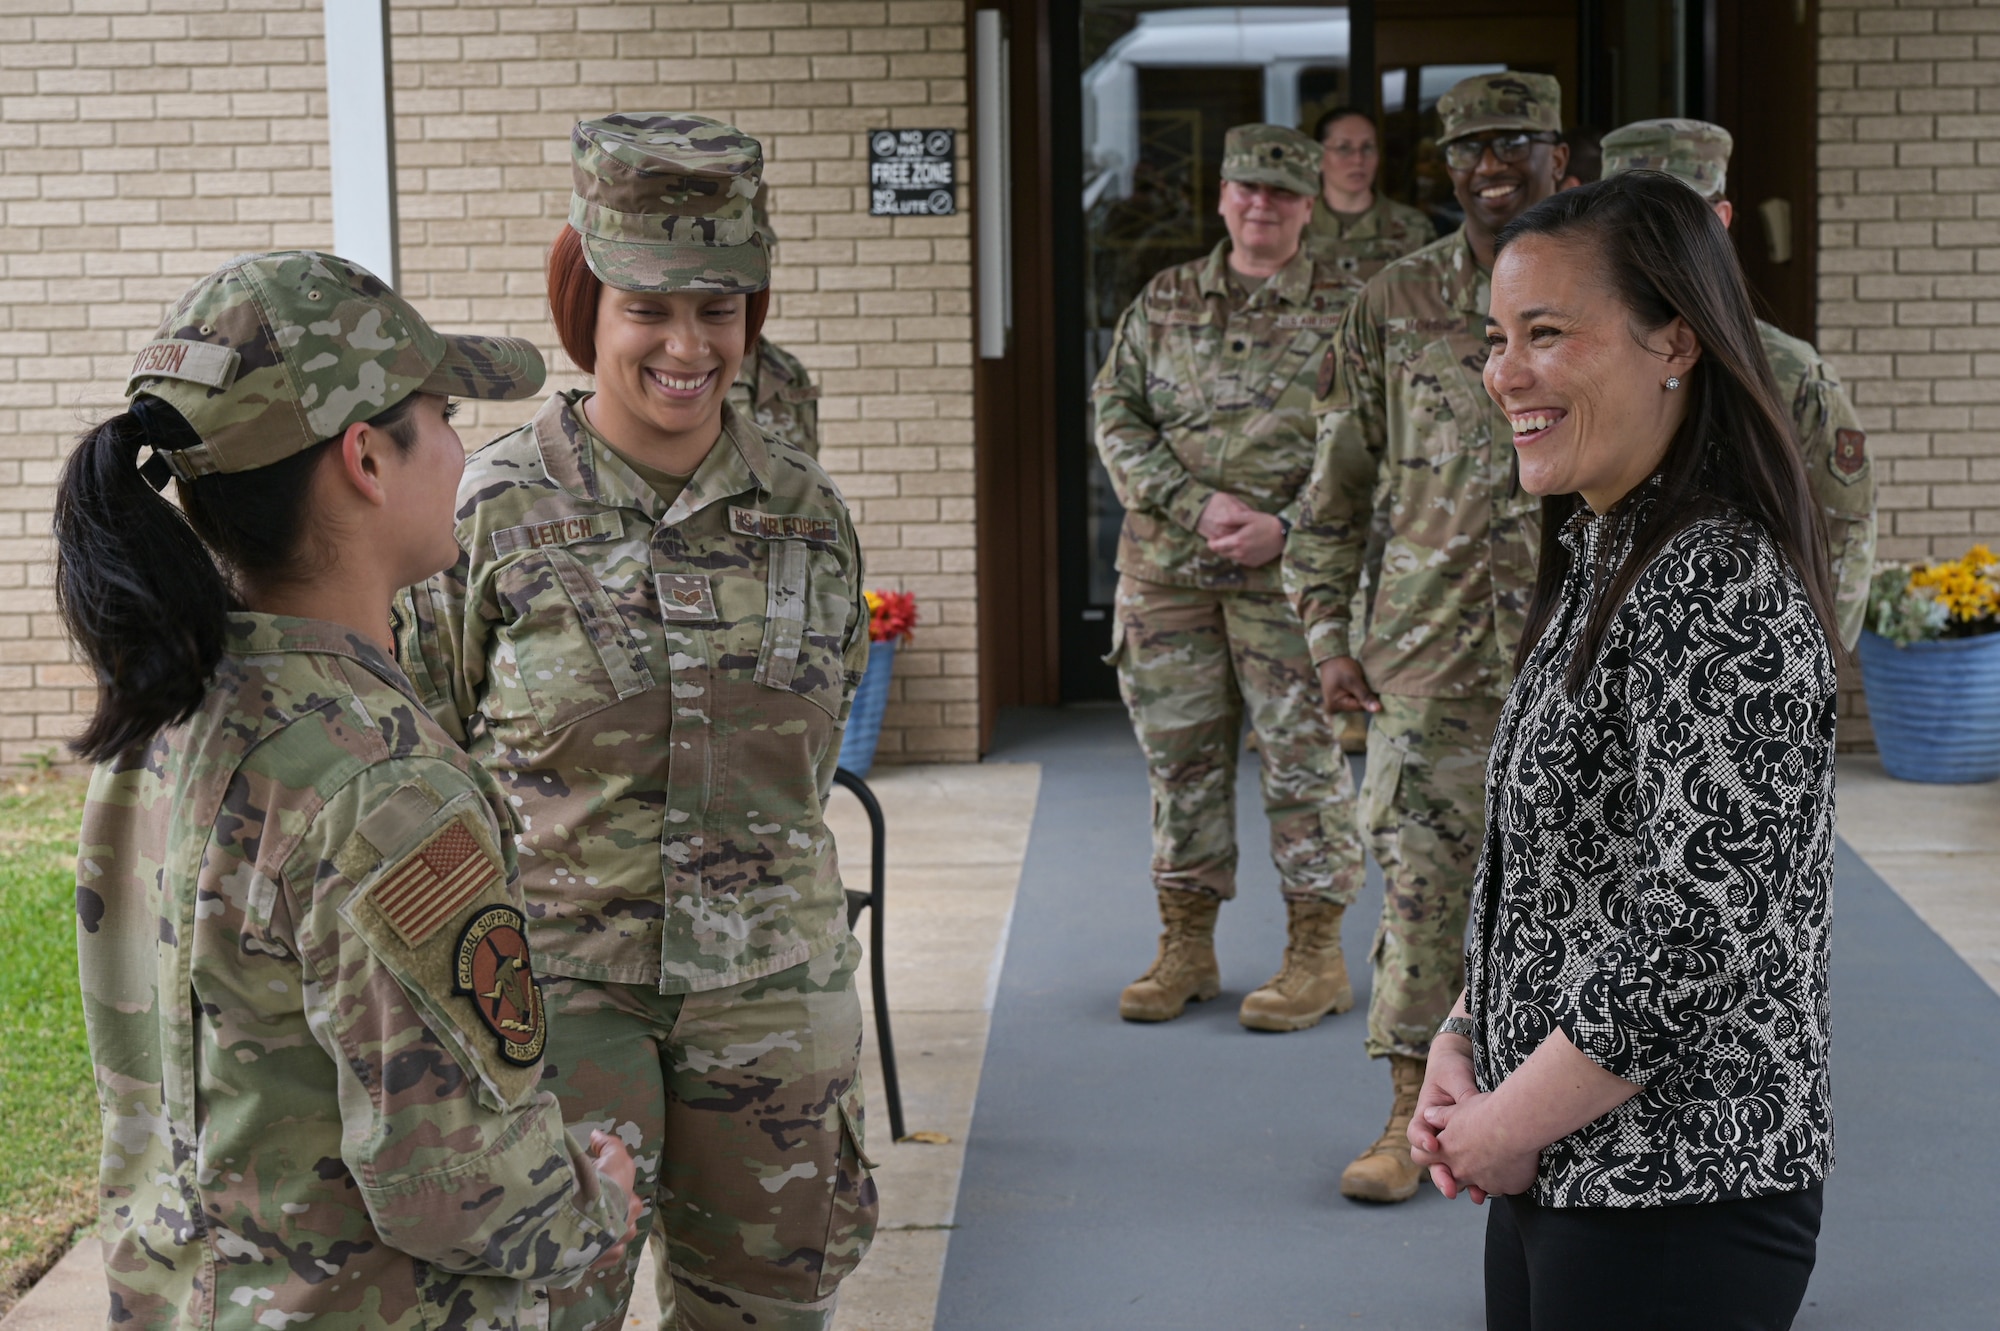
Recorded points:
(573, 292)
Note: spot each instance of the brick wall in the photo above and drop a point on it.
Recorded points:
(141, 143)
(141, 147)
(1909, 158)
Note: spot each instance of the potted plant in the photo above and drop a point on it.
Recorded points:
(891, 617)
(1930, 664)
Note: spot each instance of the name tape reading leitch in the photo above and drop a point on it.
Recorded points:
(912, 172)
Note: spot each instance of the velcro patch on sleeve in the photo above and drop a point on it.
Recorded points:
(205, 363)
(494, 970)
(1307, 320)
(782, 526)
(1850, 453)
(556, 531)
(435, 881)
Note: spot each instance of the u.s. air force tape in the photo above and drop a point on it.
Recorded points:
(782, 526)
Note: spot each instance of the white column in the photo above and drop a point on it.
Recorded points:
(993, 184)
(361, 130)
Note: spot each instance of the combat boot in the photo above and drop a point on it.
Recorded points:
(1384, 1172)
(1185, 969)
(1313, 979)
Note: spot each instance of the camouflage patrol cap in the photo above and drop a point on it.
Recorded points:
(664, 203)
(1692, 150)
(1510, 99)
(273, 353)
(1272, 155)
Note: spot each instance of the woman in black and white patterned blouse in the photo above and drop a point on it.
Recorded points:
(1637, 1071)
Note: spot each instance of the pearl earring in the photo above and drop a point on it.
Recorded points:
(1673, 382)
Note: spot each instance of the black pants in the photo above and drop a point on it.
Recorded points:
(1722, 1266)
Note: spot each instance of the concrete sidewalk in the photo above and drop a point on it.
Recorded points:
(957, 836)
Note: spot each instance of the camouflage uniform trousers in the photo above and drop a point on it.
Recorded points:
(742, 1109)
(1189, 662)
(1423, 808)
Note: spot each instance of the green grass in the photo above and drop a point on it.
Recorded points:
(48, 1106)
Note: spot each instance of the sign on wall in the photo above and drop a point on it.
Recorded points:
(912, 172)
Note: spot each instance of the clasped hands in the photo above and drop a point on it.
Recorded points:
(1237, 531)
(1458, 1136)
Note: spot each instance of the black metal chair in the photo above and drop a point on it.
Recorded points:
(871, 900)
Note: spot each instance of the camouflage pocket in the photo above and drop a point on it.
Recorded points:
(573, 652)
(1448, 401)
(851, 1220)
(807, 610)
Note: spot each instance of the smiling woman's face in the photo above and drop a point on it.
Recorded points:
(1583, 387)
(665, 361)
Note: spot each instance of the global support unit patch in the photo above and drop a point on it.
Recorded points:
(494, 971)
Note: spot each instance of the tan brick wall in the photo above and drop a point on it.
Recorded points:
(143, 141)
(1909, 287)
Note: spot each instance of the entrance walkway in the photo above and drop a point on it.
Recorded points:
(1186, 1175)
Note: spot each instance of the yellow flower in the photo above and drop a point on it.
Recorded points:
(1968, 587)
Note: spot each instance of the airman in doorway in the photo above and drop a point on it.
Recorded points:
(1204, 423)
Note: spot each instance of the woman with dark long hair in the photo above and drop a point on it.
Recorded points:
(651, 643)
(1637, 1070)
(311, 1008)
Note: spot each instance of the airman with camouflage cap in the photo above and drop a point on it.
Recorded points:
(1415, 469)
(651, 643)
(312, 1011)
(1833, 444)
(775, 389)
(1203, 423)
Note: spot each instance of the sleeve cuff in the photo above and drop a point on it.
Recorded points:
(1327, 638)
(1187, 505)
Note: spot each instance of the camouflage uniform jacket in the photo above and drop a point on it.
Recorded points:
(1835, 451)
(1202, 394)
(1409, 440)
(661, 691)
(775, 390)
(306, 1117)
(1367, 244)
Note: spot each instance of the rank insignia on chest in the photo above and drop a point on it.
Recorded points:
(494, 971)
(685, 598)
(1850, 452)
(781, 526)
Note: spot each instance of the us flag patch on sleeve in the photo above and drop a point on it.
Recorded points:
(434, 882)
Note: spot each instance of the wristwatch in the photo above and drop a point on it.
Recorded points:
(1460, 1026)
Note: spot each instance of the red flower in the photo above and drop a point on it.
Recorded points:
(891, 616)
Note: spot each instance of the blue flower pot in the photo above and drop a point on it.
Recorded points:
(864, 718)
(1935, 707)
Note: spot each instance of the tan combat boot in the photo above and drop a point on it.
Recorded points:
(1313, 980)
(1185, 969)
(1384, 1172)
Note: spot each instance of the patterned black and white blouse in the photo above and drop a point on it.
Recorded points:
(1656, 871)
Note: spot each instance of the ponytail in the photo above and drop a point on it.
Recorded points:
(138, 584)
(139, 593)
